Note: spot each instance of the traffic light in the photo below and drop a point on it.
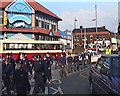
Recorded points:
(119, 29)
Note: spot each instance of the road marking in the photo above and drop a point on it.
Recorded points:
(4, 89)
(81, 74)
(57, 90)
(58, 81)
(31, 91)
(60, 90)
(46, 90)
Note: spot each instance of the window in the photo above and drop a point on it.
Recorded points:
(47, 26)
(116, 67)
(53, 27)
(42, 24)
(37, 22)
(107, 61)
(99, 63)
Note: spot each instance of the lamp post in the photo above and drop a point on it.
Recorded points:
(96, 25)
(81, 29)
(85, 38)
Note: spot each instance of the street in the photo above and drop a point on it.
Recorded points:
(73, 83)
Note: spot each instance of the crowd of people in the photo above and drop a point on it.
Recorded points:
(16, 74)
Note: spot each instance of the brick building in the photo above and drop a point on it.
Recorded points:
(85, 38)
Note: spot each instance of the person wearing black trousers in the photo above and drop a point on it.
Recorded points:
(38, 69)
(21, 81)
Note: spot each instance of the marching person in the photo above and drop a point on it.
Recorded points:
(89, 58)
(21, 81)
(26, 64)
(70, 63)
(11, 61)
(62, 66)
(83, 60)
(6, 71)
(57, 58)
(48, 67)
(38, 69)
(76, 61)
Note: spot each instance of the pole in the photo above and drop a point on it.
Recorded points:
(66, 39)
(85, 39)
(75, 20)
(96, 25)
(81, 29)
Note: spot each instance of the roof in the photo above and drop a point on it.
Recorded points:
(93, 29)
(35, 5)
(4, 3)
(36, 30)
(112, 55)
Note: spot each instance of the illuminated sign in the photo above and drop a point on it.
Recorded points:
(20, 18)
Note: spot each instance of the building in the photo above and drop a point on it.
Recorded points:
(85, 38)
(26, 25)
(66, 38)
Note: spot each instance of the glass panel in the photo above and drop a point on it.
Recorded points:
(107, 61)
(116, 67)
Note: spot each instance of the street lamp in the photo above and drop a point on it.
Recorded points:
(81, 29)
(96, 24)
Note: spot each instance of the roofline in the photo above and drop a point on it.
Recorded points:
(49, 11)
(15, 1)
(49, 15)
(54, 15)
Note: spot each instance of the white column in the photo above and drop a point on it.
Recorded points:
(5, 35)
(33, 36)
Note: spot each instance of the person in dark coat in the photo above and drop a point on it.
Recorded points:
(57, 59)
(21, 81)
(12, 67)
(70, 63)
(6, 72)
(89, 58)
(62, 66)
(26, 64)
(76, 62)
(38, 69)
(48, 67)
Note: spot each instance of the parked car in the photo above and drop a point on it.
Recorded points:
(105, 75)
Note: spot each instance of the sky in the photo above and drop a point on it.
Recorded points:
(84, 12)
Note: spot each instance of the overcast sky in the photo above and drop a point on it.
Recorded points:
(84, 12)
